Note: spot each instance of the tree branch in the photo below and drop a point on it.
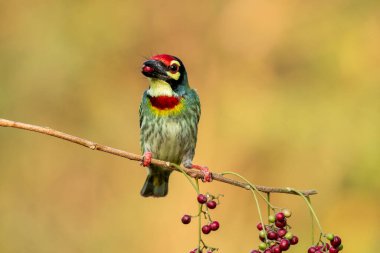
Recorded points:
(95, 146)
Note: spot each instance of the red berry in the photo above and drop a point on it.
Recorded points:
(206, 229)
(202, 199)
(280, 224)
(259, 226)
(281, 232)
(272, 235)
(255, 251)
(333, 250)
(336, 241)
(276, 249)
(267, 251)
(294, 240)
(280, 216)
(186, 219)
(284, 244)
(311, 250)
(211, 204)
(214, 225)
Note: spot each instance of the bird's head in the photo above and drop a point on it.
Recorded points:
(166, 74)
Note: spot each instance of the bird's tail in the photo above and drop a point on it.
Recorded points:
(156, 183)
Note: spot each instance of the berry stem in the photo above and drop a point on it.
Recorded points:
(196, 187)
(252, 188)
(199, 217)
(268, 201)
(312, 222)
(307, 200)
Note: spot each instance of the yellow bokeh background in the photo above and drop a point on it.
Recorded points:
(290, 94)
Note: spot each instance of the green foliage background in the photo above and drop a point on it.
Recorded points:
(290, 95)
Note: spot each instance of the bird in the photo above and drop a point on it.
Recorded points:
(169, 114)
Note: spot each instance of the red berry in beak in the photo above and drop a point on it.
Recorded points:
(147, 69)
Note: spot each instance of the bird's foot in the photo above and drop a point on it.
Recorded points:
(207, 177)
(147, 159)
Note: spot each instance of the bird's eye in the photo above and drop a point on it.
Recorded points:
(173, 68)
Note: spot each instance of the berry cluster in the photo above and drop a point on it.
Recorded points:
(206, 202)
(210, 204)
(275, 237)
(334, 246)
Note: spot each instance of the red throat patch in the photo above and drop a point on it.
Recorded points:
(164, 58)
(164, 102)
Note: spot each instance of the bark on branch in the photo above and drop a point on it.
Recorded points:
(131, 156)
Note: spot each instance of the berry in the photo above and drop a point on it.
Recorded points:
(271, 218)
(280, 216)
(336, 241)
(280, 224)
(311, 250)
(287, 213)
(263, 246)
(262, 234)
(340, 247)
(288, 235)
(333, 250)
(259, 226)
(276, 249)
(186, 219)
(294, 240)
(267, 251)
(214, 225)
(202, 199)
(255, 251)
(272, 235)
(284, 244)
(330, 237)
(211, 204)
(281, 232)
(206, 229)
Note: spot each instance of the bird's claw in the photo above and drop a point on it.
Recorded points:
(147, 159)
(207, 176)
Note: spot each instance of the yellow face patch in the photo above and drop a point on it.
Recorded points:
(175, 75)
(167, 112)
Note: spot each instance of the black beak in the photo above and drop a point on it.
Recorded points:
(155, 69)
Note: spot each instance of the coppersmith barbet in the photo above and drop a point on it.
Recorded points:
(169, 116)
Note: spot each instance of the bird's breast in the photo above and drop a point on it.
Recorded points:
(169, 144)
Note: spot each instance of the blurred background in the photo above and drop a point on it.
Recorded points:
(290, 97)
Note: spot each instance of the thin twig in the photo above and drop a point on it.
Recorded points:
(131, 156)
